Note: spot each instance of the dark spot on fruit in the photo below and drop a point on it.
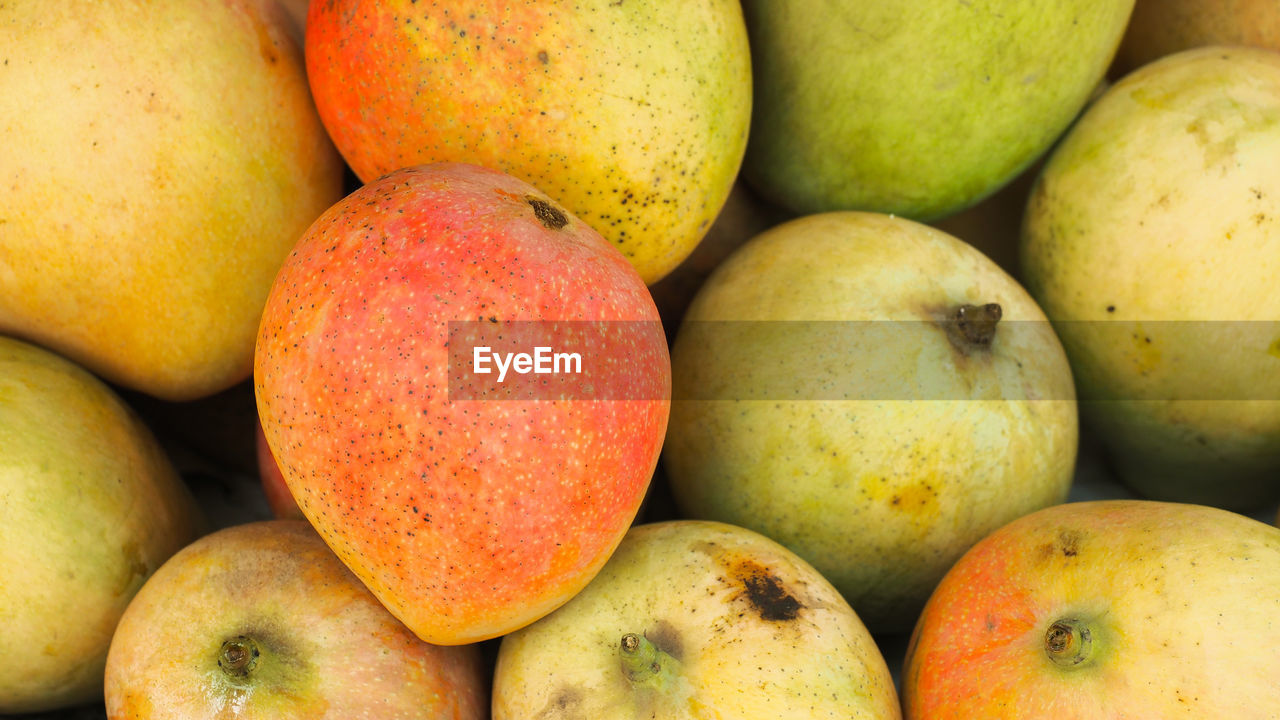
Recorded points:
(666, 638)
(765, 592)
(549, 215)
(563, 704)
(543, 57)
(1069, 543)
(1111, 308)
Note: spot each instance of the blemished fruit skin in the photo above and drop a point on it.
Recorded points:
(631, 115)
(919, 108)
(467, 516)
(262, 621)
(1101, 610)
(825, 396)
(1152, 241)
(161, 160)
(90, 506)
(739, 626)
(1164, 27)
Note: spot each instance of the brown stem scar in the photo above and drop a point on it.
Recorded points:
(549, 215)
(238, 656)
(977, 323)
(1068, 642)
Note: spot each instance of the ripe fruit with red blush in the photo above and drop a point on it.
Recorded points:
(261, 621)
(470, 503)
(632, 115)
(1104, 609)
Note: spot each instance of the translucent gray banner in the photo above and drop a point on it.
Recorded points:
(871, 360)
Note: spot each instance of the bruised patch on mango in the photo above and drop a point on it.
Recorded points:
(564, 704)
(764, 591)
(135, 570)
(666, 638)
(1066, 545)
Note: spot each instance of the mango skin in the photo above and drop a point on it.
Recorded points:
(163, 160)
(328, 649)
(751, 625)
(90, 506)
(467, 517)
(1182, 601)
(881, 493)
(1150, 239)
(918, 108)
(632, 115)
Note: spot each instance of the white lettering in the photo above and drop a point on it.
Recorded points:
(572, 363)
(502, 367)
(543, 361)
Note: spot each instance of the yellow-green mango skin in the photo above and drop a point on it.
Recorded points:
(633, 115)
(879, 491)
(90, 506)
(159, 162)
(918, 108)
(754, 630)
(1152, 240)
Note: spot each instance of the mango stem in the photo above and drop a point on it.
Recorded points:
(645, 664)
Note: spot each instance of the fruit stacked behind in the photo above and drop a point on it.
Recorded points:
(857, 409)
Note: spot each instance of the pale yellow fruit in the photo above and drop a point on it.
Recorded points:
(824, 395)
(1152, 240)
(90, 506)
(697, 620)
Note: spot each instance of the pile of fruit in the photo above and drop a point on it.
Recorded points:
(690, 359)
